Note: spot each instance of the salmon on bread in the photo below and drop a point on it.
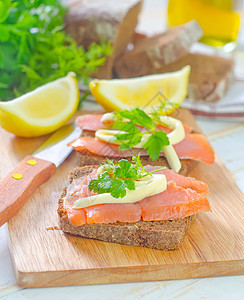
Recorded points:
(172, 209)
(193, 148)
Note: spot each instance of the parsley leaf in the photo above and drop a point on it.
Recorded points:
(102, 184)
(119, 178)
(119, 187)
(130, 138)
(155, 144)
(125, 170)
(131, 131)
(133, 136)
(116, 179)
(138, 117)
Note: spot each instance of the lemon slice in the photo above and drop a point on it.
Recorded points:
(147, 92)
(42, 110)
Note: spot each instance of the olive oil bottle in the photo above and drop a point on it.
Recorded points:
(219, 19)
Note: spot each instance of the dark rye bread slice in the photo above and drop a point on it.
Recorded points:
(85, 158)
(158, 50)
(162, 235)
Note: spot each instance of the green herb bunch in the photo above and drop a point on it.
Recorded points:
(116, 178)
(34, 48)
(129, 120)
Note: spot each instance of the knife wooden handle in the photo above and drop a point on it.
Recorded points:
(20, 183)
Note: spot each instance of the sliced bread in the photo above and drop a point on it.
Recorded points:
(151, 53)
(85, 158)
(163, 235)
(90, 21)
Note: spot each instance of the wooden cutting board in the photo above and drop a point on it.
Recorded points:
(214, 246)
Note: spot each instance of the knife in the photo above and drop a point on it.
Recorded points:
(34, 170)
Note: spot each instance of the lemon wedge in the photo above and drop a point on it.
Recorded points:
(42, 110)
(147, 92)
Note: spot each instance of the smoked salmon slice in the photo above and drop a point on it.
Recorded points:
(97, 147)
(175, 202)
(183, 197)
(76, 216)
(114, 212)
(90, 122)
(194, 146)
(182, 181)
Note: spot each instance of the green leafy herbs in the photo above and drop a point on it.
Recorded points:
(34, 48)
(155, 143)
(116, 179)
(128, 121)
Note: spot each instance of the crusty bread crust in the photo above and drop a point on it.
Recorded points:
(157, 50)
(85, 158)
(163, 235)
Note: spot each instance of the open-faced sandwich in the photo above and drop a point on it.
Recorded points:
(160, 140)
(128, 203)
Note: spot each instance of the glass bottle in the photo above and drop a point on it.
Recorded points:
(219, 19)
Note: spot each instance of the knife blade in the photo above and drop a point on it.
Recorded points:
(55, 148)
(34, 170)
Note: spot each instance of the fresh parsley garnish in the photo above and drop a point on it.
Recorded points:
(35, 49)
(117, 178)
(155, 143)
(128, 121)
